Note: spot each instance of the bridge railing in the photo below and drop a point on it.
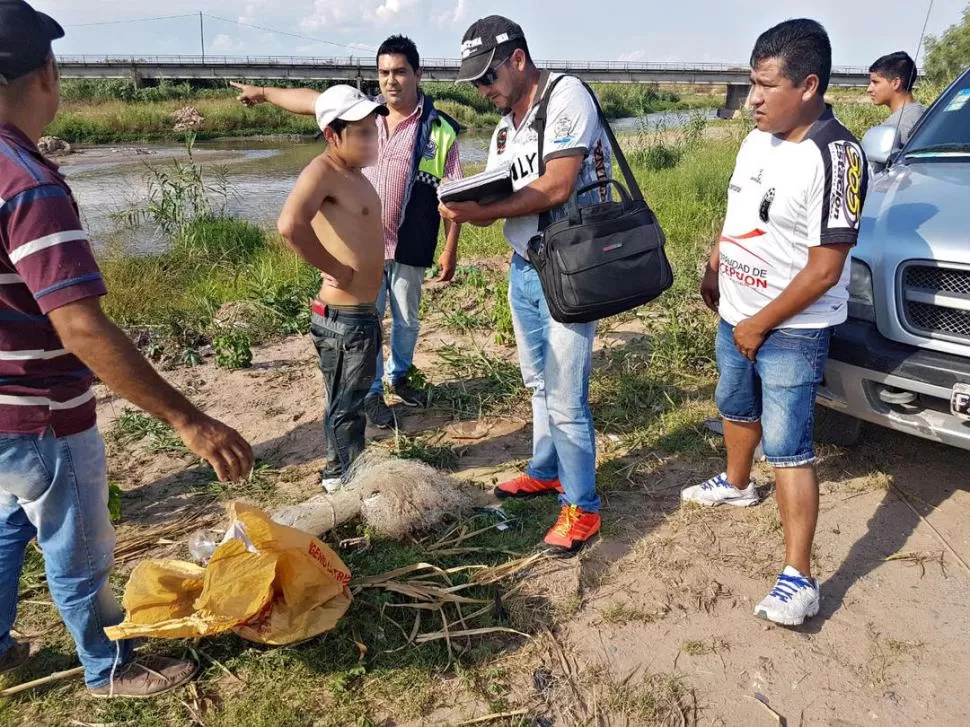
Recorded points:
(368, 62)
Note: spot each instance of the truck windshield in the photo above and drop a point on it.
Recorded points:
(945, 132)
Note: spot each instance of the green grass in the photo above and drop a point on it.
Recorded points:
(329, 680)
(621, 614)
(112, 111)
(134, 426)
(118, 121)
(260, 486)
(439, 456)
(478, 382)
(657, 699)
(172, 297)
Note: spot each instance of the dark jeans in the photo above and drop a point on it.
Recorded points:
(348, 343)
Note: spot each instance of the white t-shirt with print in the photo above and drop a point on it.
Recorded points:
(572, 126)
(783, 199)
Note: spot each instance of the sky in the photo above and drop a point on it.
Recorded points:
(685, 31)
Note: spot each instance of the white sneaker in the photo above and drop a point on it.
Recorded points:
(793, 599)
(717, 491)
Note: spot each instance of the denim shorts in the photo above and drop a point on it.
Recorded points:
(778, 389)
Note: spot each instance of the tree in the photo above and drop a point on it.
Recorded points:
(948, 55)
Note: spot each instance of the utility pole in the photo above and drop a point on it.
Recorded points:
(202, 35)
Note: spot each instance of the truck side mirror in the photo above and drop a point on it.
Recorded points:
(879, 142)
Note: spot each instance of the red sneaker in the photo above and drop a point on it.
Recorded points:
(573, 530)
(525, 486)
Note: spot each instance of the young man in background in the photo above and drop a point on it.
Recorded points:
(891, 80)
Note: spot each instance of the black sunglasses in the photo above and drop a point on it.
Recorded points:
(491, 75)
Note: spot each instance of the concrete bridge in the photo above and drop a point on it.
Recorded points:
(358, 70)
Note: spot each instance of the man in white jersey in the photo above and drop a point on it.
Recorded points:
(779, 278)
(555, 358)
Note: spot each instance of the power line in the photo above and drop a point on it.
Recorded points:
(132, 20)
(263, 28)
(292, 35)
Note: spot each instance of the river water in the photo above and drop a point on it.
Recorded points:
(260, 172)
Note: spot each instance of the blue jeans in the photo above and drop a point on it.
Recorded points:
(402, 286)
(56, 489)
(555, 359)
(778, 389)
(347, 343)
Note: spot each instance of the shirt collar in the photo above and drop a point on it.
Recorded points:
(418, 110)
(14, 133)
(827, 116)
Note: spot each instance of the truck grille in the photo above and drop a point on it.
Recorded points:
(937, 301)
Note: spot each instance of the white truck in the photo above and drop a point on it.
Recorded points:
(902, 360)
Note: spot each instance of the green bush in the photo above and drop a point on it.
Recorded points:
(624, 101)
(116, 89)
(659, 156)
(233, 350)
(949, 55)
(469, 118)
(218, 239)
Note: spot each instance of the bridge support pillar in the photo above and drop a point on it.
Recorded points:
(136, 80)
(737, 97)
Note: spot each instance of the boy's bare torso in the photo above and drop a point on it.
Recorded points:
(349, 226)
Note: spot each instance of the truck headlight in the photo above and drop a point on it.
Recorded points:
(861, 300)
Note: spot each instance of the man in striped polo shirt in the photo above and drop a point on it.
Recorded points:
(53, 339)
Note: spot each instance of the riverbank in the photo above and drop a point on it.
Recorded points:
(177, 293)
(111, 112)
(173, 296)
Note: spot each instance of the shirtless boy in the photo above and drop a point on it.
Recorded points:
(333, 221)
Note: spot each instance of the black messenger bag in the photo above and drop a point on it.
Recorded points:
(602, 259)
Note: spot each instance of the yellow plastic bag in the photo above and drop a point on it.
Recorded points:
(271, 584)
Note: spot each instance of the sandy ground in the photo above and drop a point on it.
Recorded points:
(125, 154)
(668, 590)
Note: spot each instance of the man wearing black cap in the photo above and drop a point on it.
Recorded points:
(555, 358)
(53, 337)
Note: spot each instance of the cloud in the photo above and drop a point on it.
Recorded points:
(331, 13)
(388, 9)
(252, 11)
(223, 42)
(452, 17)
(350, 15)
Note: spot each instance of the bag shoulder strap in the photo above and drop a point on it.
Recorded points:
(539, 123)
(540, 127)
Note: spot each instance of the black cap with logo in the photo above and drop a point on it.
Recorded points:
(480, 42)
(25, 39)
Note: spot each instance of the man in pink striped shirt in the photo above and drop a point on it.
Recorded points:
(53, 339)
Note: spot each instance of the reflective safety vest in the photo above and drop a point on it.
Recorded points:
(417, 235)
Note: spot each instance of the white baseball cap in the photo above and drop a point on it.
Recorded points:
(345, 103)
